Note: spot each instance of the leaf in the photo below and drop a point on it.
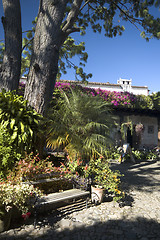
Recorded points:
(29, 35)
(24, 137)
(36, 121)
(22, 127)
(12, 123)
(31, 132)
(13, 137)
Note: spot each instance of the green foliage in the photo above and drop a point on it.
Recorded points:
(27, 46)
(31, 167)
(74, 170)
(1, 52)
(144, 102)
(96, 172)
(103, 15)
(68, 51)
(72, 167)
(20, 195)
(8, 154)
(21, 121)
(114, 153)
(156, 100)
(80, 124)
(124, 127)
(99, 15)
(151, 155)
(139, 155)
(116, 99)
(143, 155)
(104, 177)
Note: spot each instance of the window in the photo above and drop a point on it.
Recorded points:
(150, 129)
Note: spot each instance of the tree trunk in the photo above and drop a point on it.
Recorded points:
(11, 66)
(44, 62)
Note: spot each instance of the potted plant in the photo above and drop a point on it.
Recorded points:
(18, 195)
(103, 179)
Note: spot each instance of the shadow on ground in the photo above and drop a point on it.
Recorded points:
(110, 230)
(143, 176)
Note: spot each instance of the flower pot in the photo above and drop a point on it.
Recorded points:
(97, 194)
(5, 219)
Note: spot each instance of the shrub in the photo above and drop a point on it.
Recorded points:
(80, 124)
(104, 177)
(151, 155)
(19, 195)
(31, 167)
(74, 170)
(8, 154)
(21, 121)
(96, 172)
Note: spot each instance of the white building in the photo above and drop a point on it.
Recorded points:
(123, 85)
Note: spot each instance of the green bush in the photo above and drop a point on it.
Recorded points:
(8, 154)
(79, 124)
(138, 155)
(142, 155)
(19, 128)
(32, 167)
(21, 121)
(151, 155)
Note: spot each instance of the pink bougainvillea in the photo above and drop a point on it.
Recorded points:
(115, 98)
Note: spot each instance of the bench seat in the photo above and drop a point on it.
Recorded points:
(61, 196)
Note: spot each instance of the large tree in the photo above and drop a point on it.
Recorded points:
(57, 19)
(11, 65)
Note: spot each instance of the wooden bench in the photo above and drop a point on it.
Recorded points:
(61, 196)
(56, 197)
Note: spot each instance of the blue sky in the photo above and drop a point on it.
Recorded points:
(127, 56)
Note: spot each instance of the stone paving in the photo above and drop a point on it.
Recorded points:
(137, 217)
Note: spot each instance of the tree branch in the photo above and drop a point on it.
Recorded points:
(85, 4)
(73, 29)
(130, 18)
(72, 15)
(27, 44)
(28, 31)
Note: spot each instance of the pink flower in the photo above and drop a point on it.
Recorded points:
(86, 167)
(25, 216)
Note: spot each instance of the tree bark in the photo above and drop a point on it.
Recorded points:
(11, 66)
(44, 62)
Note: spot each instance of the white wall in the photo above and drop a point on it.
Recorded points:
(106, 87)
(138, 91)
(149, 138)
(118, 88)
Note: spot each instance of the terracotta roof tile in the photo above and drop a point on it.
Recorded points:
(101, 84)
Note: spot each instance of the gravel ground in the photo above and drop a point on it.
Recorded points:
(137, 217)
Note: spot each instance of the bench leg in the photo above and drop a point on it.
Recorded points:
(87, 199)
(35, 217)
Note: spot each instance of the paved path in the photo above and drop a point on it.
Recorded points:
(138, 217)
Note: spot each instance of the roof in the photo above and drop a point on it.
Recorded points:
(137, 111)
(99, 83)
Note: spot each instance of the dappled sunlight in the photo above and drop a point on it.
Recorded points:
(143, 176)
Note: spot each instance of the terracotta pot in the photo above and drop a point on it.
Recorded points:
(97, 194)
(5, 219)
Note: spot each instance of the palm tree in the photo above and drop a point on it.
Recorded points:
(80, 124)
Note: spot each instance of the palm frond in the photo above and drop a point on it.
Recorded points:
(82, 124)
